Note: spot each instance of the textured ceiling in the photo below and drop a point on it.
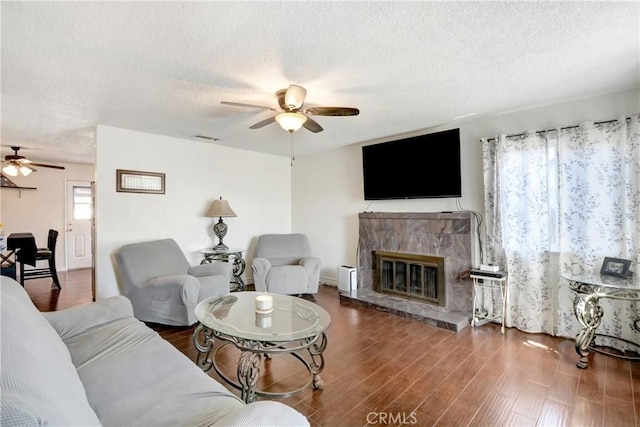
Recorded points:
(164, 67)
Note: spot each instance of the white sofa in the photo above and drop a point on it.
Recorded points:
(97, 365)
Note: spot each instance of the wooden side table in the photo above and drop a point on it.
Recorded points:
(226, 255)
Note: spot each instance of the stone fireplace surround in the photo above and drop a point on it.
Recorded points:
(443, 234)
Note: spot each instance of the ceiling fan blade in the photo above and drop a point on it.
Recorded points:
(312, 125)
(263, 123)
(240, 104)
(42, 165)
(332, 111)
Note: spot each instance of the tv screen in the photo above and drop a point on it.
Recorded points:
(420, 167)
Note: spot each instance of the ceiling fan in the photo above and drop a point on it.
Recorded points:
(293, 116)
(14, 163)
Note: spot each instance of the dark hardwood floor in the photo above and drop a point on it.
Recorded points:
(384, 370)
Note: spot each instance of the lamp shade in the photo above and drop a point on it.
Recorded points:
(291, 122)
(10, 170)
(25, 170)
(294, 97)
(220, 208)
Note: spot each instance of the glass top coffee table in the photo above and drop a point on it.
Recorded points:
(293, 326)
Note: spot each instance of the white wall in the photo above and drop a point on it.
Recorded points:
(37, 211)
(327, 192)
(257, 186)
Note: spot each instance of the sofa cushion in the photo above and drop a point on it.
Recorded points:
(73, 321)
(40, 384)
(126, 355)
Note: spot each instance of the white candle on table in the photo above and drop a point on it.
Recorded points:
(264, 303)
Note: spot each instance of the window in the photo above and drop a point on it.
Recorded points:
(82, 206)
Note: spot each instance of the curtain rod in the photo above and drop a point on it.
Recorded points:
(553, 130)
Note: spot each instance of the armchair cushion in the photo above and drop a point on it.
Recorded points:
(286, 279)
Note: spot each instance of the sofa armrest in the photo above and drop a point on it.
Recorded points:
(166, 287)
(72, 321)
(211, 269)
(260, 268)
(312, 267)
(261, 264)
(264, 413)
(168, 300)
(310, 263)
(167, 283)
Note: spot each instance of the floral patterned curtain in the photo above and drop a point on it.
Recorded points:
(599, 204)
(550, 212)
(516, 201)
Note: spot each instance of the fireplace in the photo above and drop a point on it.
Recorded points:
(439, 237)
(422, 253)
(414, 276)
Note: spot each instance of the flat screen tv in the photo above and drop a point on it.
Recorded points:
(421, 167)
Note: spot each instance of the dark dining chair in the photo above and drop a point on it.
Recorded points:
(42, 254)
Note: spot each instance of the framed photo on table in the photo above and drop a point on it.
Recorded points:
(615, 267)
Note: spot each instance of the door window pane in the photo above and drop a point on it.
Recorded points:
(82, 208)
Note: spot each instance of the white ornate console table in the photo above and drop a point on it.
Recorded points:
(586, 306)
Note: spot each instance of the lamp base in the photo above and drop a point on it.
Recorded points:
(220, 247)
(220, 230)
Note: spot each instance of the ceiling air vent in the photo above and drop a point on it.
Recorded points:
(206, 138)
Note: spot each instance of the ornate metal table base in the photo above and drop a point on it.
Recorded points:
(589, 313)
(239, 264)
(252, 351)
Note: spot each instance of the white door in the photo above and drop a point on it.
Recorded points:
(78, 230)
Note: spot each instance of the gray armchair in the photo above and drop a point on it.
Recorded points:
(162, 286)
(284, 265)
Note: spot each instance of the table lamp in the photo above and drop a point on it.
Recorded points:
(220, 208)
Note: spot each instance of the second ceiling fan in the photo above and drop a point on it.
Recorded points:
(293, 115)
(14, 163)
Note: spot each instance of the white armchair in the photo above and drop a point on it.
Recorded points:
(284, 264)
(162, 286)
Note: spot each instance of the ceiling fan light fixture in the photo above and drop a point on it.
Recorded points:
(291, 122)
(10, 170)
(294, 97)
(25, 170)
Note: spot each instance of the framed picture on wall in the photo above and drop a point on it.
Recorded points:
(615, 267)
(128, 181)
